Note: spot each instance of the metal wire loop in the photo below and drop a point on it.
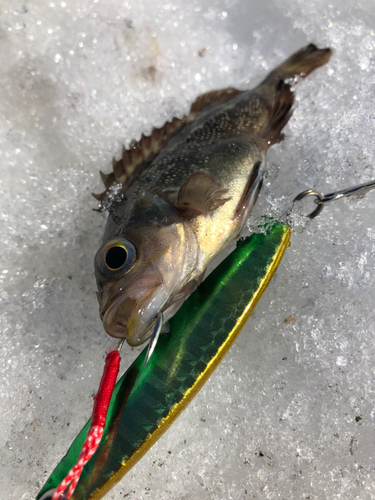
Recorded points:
(318, 201)
(321, 199)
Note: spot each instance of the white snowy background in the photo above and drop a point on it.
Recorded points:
(290, 412)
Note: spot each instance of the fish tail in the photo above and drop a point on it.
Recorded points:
(278, 93)
(301, 63)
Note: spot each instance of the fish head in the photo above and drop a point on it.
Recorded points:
(142, 269)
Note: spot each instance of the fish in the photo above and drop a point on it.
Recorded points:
(179, 197)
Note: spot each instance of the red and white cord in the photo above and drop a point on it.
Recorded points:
(95, 433)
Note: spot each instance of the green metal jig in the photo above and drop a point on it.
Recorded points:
(148, 398)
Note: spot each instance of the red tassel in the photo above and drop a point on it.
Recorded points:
(95, 433)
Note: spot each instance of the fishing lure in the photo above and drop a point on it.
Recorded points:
(162, 232)
(147, 400)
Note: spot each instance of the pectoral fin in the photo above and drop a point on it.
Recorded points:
(200, 194)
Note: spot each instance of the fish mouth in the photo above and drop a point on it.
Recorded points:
(119, 320)
(117, 315)
(132, 314)
(144, 335)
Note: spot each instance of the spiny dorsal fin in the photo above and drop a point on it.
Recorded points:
(139, 154)
(100, 197)
(142, 152)
(206, 100)
(200, 194)
(107, 179)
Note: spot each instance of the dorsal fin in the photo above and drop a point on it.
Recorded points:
(139, 154)
(142, 152)
(206, 100)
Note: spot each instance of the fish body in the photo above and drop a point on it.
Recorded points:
(186, 193)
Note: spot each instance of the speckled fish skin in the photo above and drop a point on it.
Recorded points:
(191, 199)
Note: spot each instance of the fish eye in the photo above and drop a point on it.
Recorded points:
(116, 258)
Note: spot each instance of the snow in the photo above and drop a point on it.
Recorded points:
(290, 411)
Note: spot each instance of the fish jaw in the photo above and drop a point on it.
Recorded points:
(132, 315)
(134, 300)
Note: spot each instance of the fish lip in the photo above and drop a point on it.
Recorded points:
(108, 304)
(117, 316)
(145, 335)
(121, 331)
(107, 317)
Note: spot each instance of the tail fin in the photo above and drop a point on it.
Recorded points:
(278, 93)
(302, 63)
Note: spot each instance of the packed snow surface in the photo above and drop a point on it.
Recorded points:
(290, 412)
